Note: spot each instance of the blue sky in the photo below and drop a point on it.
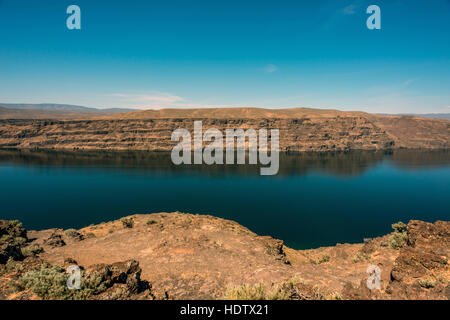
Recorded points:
(216, 53)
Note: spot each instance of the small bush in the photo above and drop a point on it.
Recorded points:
(50, 282)
(283, 291)
(20, 240)
(31, 250)
(247, 292)
(360, 257)
(398, 240)
(399, 227)
(72, 233)
(427, 283)
(15, 223)
(6, 238)
(127, 222)
(334, 296)
(442, 279)
(322, 259)
(150, 222)
(11, 266)
(400, 237)
(286, 290)
(317, 292)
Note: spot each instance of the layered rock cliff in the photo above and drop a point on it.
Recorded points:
(303, 130)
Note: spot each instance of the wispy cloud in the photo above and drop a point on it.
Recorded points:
(408, 82)
(270, 68)
(349, 10)
(159, 97)
(161, 100)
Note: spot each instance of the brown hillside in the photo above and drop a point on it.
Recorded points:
(232, 113)
(301, 129)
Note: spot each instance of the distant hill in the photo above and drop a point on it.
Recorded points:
(53, 111)
(445, 116)
(232, 113)
(46, 106)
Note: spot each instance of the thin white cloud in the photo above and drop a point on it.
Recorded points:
(162, 100)
(270, 68)
(158, 97)
(408, 82)
(349, 10)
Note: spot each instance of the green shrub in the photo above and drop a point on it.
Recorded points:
(127, 222)
(50, 282)
(6, 238)
(399, 227)
(31, 250)
(334, 296)
(400, 237)
(150, 222)
(398, 240)
(247, 292)
(20, 240)
(11, 266)
(360, 257)
(442, 279)
(283, 291)
(322, 259)
(72, 233)
(15, 223)
(427, 283)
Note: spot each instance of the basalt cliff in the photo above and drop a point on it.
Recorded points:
(301, 129)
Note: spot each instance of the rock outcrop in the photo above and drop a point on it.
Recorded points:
(421, 269)
(12, 238)
(184, 256)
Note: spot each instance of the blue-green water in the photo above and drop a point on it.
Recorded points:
(315, 200)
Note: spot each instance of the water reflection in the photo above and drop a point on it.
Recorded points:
(351, 163)
(316, 199)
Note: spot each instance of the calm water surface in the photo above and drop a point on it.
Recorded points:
(315, 200)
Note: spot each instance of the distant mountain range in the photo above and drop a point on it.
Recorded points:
(60, 107)
(67, 111)
(54, 111)
(445, 116)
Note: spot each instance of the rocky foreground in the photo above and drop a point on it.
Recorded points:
(301, 129)
(185, 256)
